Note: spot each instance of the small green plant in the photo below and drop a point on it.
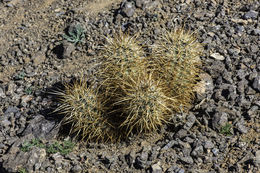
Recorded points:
(22, 170)
(20, 75)
(226, 129)
(64, 148)
(75, 35)
(29, 90)
(28, 145)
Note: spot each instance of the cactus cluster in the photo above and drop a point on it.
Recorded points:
(138, 94)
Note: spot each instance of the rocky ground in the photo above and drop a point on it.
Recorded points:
(221, 133)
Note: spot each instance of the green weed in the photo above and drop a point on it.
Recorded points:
(76, 35)
(20, 75)
(22, 170)
(63, 148)
(28, 145)
(226, 129)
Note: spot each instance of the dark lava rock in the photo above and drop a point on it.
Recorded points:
(219, 120)
(169, 145)
(191, 119)
(187, 160)
(241, 127)
(68, 48)
(181, 133)
(42, 128)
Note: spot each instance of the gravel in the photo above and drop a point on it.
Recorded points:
(220, 133)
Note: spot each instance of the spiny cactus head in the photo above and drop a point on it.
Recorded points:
(122, 54)
(122, 44)
(142, 103)
(177, 61)
(83, 109)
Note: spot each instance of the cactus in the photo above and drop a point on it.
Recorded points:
(83, 108)
(121, 55)
(176, 61)
(137, 94)
(141, 103)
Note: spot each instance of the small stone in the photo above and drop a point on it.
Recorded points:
(181, 171)
(239, 21)
(215, 151)
(217, 56)
(76, 169)
(141, 3)
(5, 122)
(256, 83)
(156, 168)
(257, 157)
(219, 120)
(187, 160)
(198, 151)
(208, 145)
(256, 32)
(254, 48)
(57, 158)
(2, 93)
(239, 29)
(204, 86)
(190, 121)
(241, 127)
(128, 8)
(181, 133)
(169, 145)
(175, 169)
(252, 112)
(150, 5)
(36, 155)
(251, 15)
(26, 99)
(11, 88)
(68, 49)
(38, 58)
(12, 109)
